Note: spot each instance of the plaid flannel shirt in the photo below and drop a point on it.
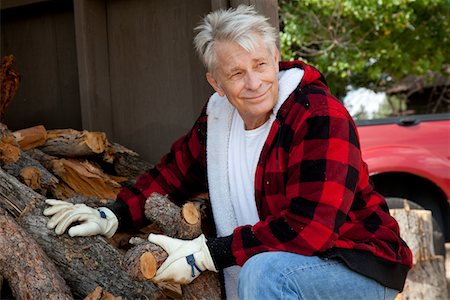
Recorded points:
(312, 188)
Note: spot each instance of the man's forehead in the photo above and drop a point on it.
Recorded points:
(233, 56)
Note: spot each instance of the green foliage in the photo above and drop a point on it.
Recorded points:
(369, 43)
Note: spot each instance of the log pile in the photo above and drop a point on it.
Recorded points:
(82, 167)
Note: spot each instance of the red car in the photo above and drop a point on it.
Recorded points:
(409, 158)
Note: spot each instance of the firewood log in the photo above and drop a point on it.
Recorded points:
(21, 165)
(126, 162)
(31, 137)
(60, 190)
(86, 178)
(9, 149)
(183, 223)
(143, 260)
(31, 172)
(28, 270)
(73, 143)
(179, 223)
(84, 262)
(78, 176)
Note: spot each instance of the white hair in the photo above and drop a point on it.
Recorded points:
(242, 25)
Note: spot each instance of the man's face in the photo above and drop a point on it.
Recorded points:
(248, 79)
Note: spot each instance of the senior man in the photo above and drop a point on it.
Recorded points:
(280, 158)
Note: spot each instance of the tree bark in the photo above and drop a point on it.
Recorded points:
(28, 270)
(182, 223)
(60, 190)
(73, 143)
(31, 173)
(126, 162)
(84, 262)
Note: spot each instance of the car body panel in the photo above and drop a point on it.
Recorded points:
(421, 148)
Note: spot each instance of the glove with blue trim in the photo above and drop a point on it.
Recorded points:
(186, 260)
(92, 221)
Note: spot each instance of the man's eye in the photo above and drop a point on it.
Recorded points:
(235, 75)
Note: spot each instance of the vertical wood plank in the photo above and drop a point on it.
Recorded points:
(220, 4)
(93, 65)
(158, 83)
(42, 38)
(269, 8)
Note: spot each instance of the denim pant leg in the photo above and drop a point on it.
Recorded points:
(284, 275)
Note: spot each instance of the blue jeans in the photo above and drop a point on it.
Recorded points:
(284, 275)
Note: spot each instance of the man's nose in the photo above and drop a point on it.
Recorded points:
(252, 81)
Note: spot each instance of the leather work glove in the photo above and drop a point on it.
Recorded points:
(186, 260)
(92, 221)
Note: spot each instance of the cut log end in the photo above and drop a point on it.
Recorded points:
(8, 153)
(30, 138)
(31, 176)
(190, 213)
(96, 141)
(148, 265)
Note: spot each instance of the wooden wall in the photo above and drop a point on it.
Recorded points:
(42, 38)
(156, 83)
(125, 67)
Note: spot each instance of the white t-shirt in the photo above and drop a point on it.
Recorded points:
(244, 150)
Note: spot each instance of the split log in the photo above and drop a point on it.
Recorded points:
(86, 178)
(179, 223)
(30, 138)
(73, 143)
(28, 270)
(78, 177)
(426, 280)
(84, 262)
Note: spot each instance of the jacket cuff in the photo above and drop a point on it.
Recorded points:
(220, 250)
(121, 211)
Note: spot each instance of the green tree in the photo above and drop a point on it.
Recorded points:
(367, 43)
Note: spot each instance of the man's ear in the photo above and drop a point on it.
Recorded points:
(277, 56)
(215, 85)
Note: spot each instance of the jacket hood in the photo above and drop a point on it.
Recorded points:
(311, 75)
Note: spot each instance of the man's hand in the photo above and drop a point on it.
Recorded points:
(186, 260)
(92, 221)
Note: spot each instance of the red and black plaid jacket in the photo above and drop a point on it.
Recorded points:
(312, 189)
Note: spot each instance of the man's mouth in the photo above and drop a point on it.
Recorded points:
(257, 96)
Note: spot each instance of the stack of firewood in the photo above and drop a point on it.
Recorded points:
(82, 167)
